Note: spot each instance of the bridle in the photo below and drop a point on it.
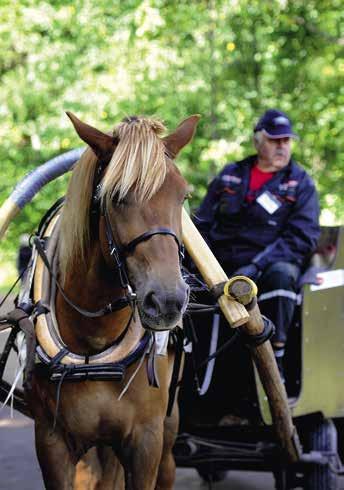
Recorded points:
(119, 253)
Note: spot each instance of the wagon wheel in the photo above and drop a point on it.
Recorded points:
(323, 477)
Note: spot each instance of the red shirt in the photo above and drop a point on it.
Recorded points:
(257, 179)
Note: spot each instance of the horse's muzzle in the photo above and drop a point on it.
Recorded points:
(162, 309)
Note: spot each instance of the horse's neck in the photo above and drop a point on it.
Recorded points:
(91, 288)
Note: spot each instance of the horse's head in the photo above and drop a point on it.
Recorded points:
(141, 194)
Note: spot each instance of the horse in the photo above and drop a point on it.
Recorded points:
(118, 289)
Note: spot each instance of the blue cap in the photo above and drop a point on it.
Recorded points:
(275, 124)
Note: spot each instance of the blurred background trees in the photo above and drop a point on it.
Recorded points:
(227, 60)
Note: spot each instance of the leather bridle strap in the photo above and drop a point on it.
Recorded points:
(116, 305)
(119, 253)
(129, 247)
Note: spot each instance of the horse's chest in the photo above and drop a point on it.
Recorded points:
(91, 412)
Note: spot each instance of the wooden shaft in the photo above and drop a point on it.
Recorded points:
(8, 211)
(265, 362)
(211, 270)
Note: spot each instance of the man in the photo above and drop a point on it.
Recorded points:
(260, 218)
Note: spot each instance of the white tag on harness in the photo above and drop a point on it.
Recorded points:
(161, 340)
(269, 202)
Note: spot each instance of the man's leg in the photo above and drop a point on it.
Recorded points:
(277, 297)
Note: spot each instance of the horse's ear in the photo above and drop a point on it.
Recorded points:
(174, 142)
(101, 143)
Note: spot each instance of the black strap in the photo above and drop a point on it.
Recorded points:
(152, 373)
(217, 289)
(178, 337)
(221, 349)
(116, 254)
(129, 247)
(266, 334)
(53, 369)
(119, 252)
(251, 304)
(198, 308)
(44, 223)
(249, 340)
(25, 324)
(110, 308)
(57, 358)
(58, 393)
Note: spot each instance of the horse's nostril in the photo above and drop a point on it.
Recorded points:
(165, 305)
(151, 304)
(178, 303)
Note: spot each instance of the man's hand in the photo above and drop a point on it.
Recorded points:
(250, 270)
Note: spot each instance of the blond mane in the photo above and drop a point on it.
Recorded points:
(138, 164)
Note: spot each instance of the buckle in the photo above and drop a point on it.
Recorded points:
(108, 308)
(130, 294)
(113, 251)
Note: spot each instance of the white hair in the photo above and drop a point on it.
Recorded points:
(258, 138)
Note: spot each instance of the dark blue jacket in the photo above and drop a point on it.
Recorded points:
(240, 232)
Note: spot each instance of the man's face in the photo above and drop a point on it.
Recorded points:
(273, 153)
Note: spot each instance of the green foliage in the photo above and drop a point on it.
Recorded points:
(226, 60)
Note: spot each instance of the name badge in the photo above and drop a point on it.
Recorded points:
(269, 202)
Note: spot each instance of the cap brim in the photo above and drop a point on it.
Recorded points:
(279, 133)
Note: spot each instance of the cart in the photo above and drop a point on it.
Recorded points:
(225, 417)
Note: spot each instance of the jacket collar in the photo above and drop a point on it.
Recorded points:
(249, 161)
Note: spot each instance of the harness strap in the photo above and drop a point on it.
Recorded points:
(52, 367)
(221, 349)
(58, 394)
(59, 373)
(151, 367)
(260, 338)
(178, 337)
(20, 318)
(119, 252)
(217, 289)
(115, 254)
(129, 247)
(110, 308)
(58, 357)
